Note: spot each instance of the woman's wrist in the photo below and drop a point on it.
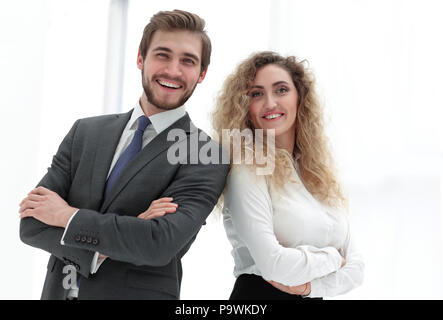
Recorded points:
(307, 289)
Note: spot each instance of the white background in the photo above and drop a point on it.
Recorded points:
(378, 68)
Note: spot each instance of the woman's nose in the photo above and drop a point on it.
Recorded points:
(270, 102)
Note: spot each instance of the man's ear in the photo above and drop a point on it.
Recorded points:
(139, 60)
(202, 75)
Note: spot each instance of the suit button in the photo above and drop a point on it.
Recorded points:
(84, 239)
(77, 238)
(95, 241)
(89, 240)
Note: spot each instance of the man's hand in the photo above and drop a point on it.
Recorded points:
(159, 208)
(47, 207)
(302, 290)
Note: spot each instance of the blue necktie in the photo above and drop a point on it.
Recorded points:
(134, 147)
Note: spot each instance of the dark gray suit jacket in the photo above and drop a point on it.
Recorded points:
(144, 255)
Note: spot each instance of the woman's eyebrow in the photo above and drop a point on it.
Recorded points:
(274, 84)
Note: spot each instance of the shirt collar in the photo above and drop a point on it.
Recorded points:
(160, 121)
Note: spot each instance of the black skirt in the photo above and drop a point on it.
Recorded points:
(253, 287)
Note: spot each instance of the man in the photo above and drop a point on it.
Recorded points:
(105, 206)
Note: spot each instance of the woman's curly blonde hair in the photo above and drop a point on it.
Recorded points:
(312, 156)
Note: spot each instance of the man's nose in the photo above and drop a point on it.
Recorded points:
(173, 69)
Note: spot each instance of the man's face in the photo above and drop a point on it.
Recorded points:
(171, 69)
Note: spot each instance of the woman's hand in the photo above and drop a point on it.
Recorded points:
(301, 290)
(159, 208)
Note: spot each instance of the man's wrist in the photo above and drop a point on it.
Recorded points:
(66, 216)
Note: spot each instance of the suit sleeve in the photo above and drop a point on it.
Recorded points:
(45, 237)
(196, 189)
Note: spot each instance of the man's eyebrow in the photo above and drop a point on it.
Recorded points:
(193, 56)
(274, 84)
(162, 49)
(190, 55)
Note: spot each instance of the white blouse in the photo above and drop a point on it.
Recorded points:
(288, 237)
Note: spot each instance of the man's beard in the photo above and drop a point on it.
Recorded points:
(162, 105)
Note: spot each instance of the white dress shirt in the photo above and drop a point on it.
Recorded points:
(159, 122)
(288, 237)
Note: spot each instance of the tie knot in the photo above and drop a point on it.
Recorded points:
(143, 122)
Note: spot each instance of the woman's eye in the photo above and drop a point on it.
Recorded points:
(255, 94)
(282, 90)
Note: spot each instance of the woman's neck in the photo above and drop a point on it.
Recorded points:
(286, 141)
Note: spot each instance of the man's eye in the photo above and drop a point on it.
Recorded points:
(162, 55)
(189, 61)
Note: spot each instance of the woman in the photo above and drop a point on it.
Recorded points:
(289, 231)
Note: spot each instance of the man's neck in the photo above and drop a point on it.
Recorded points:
(148, 108)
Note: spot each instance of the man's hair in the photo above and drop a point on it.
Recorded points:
(177, 20)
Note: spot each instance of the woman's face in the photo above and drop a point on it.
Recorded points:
(274, 103)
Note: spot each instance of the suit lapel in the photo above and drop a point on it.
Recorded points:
(109, 138)
(158, 145)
